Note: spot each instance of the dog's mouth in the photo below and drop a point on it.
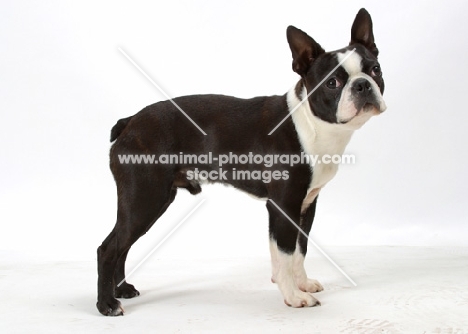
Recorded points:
(373, 108)
(370, 107)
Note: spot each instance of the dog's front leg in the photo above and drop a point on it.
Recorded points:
(283, 241)
(307, 218)
(303, 282)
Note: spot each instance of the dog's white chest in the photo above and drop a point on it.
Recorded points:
(322, 174)
(322, 141)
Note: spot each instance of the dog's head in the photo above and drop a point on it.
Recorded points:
(344, 86)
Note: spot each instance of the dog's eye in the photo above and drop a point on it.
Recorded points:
(376, 71)
(333, 83)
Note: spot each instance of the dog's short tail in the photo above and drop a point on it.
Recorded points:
(119, 127)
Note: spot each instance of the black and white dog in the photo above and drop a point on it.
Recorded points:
(320, 125)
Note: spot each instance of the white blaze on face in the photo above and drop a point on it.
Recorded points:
(346, 108)
(352, 65)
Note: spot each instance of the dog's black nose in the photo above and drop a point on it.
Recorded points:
(362, 86)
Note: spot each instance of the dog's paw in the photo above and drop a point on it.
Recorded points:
(126, 291)
(301, 299)
(110, 307)
(310, 285)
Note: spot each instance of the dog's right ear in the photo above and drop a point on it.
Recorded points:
(303, 48)
(362, 32)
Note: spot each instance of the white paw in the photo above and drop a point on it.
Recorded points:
(310, 285)
(301, 299)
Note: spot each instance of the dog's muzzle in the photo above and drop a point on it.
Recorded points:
(367, 97)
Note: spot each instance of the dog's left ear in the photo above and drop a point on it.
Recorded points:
(303, 48)
(362, 32)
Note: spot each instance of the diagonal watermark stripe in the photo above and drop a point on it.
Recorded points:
(313, 243)
(313, 90)
(160, 89)
(161, 242)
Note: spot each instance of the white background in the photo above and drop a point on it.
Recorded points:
(64, 84)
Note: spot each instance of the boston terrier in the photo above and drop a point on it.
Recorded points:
(336, 94)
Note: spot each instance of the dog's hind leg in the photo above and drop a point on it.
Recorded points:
(141, 201)
(122, 288)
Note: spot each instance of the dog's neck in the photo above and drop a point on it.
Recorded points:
(317, 137)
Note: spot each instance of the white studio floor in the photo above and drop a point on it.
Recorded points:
(399, 290)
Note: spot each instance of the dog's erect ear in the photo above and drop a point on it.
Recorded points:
(362, 32)
(304, 50)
